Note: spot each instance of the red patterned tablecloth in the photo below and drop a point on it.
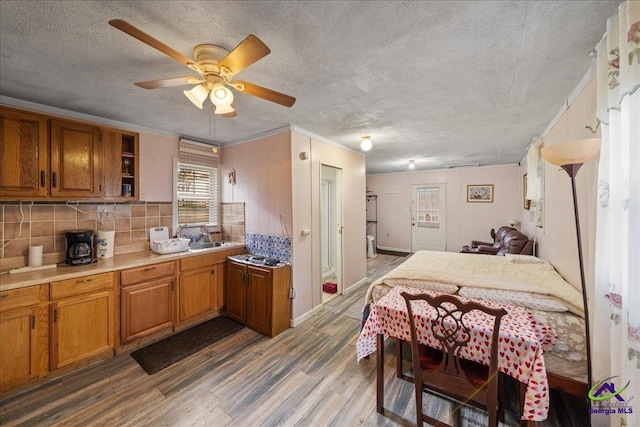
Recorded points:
(522, 342)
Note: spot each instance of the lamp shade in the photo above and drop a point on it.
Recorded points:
(221, 95)
(366, 143)
(224, 109)
(197, 95)
(573, 152)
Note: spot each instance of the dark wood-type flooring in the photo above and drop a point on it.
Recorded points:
(306, 376)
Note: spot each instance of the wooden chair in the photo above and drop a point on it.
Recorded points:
(442, 371)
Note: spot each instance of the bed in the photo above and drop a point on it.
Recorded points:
(521, 280)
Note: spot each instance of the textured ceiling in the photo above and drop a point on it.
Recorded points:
(441, 82)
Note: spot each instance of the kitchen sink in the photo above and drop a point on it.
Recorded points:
(206, 245)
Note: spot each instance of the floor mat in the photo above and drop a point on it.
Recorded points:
(161, 354)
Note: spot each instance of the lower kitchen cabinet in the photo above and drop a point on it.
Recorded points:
(23, 335)
(147, 300)
(82, 318)
(198, 293)
(259, 297)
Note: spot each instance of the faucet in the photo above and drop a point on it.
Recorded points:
(202, 237)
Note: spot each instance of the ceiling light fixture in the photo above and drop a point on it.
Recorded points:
(366, 144)
(197, 95)
(412, 165)
(220, 96)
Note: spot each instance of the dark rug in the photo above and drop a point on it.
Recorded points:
(159, 355)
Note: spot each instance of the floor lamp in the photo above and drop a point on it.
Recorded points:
(570, 156)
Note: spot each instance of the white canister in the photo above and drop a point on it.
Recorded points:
(105, 243)
(35, 256)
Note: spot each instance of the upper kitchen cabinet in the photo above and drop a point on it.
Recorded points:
(48, 158)
(120, 164)
(24, 154)
(75, 159)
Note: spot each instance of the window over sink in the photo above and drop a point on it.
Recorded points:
(196, 198)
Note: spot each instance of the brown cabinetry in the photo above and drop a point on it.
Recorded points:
(46, 157)
(82, 320)
(24, 154)
(259, 297)
(75, 170)
(23, 335)
(201, 288)
(147, 300)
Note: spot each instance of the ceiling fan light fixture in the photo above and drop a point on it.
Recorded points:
(221, 95)
(224, 109)
(366, 144)
(197, 95)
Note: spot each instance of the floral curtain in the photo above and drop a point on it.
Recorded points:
(616, 361)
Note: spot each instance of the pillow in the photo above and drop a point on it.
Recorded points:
(524, 259)
(445, 288)
(523, 299)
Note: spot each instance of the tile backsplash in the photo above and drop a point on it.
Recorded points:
(278, 247)
(30, 224)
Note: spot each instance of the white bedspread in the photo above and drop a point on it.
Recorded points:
(484, 271)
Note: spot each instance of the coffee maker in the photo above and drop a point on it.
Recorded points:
(79, 246)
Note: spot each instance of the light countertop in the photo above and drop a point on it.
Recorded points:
(103, 265)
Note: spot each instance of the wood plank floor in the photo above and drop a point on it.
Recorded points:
(307, 376)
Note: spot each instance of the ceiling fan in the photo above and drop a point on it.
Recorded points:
(216, 67)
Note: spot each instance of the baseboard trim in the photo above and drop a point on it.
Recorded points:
(299, 320)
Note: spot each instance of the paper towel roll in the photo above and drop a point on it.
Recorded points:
(105, 243)
(35, 256)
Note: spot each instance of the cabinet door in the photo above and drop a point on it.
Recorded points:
(18, 353)
(259, 300)
(82, 327)
(198, 293)
(146, 308)
(24, 154)
(236, 292)
(75, 167)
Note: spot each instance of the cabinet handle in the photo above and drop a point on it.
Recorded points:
(55, 315)
(149, 269)
(172, 285)
(100, 188)
(213, 272)
(42, 179)
(84, 281)
(4, 296)
(54, 180)
(33, 321)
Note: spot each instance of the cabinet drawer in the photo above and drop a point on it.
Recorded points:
(23, 297)
(150, 272)
(202, 261)
(82, 285)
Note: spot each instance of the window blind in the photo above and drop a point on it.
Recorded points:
(197, 184)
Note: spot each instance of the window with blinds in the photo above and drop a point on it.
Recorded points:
(197, 195)
(196, 182)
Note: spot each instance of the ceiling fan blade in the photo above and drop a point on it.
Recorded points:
(264, 93)
(178, 81)
(125, 27)
(246, 53)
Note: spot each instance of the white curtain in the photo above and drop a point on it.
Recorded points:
(616, 358)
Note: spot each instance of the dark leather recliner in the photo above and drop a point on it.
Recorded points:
(497, 244)
(513, 242)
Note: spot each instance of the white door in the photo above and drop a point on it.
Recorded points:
(428, 218)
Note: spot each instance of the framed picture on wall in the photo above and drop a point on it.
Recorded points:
(480, 193)
(527, 202)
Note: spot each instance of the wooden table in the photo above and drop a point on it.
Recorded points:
(521, 345)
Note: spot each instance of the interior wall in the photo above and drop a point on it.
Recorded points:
(262, 181)
(465, 221)
(156, 167)
(557, 241)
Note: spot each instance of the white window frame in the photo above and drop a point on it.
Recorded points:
(213, 226)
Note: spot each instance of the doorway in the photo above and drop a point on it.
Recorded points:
(428, 218)
(331, 231)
